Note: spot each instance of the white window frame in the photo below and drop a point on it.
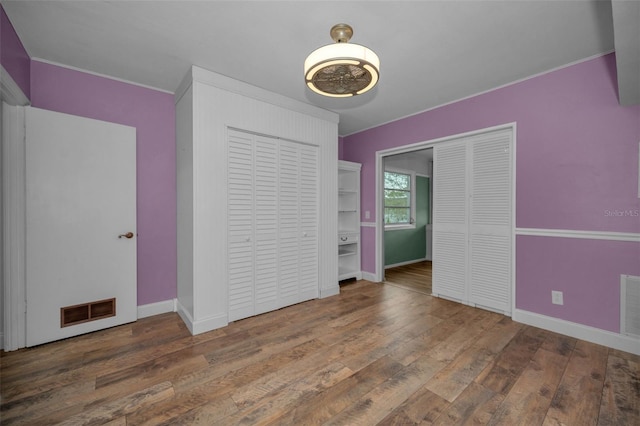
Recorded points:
(412, 225)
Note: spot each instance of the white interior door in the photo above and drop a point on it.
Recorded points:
(80, 200)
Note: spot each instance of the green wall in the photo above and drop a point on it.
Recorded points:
(405, 245)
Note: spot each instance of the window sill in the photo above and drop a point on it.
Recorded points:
(399, 227)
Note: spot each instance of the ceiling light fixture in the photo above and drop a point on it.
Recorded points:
(341, 69)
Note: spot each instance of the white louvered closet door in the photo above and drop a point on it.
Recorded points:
(266, 224)
(240, 202)
(472, 224)
(308, 267)
(298, 222)
(289, 222)
(490, 221)
(272, 223)
(450, 222)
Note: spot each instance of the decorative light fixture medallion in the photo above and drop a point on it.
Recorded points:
(341, 69)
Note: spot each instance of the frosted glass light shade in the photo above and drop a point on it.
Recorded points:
(341, 70)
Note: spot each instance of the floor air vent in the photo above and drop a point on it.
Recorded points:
(78, 314)
(630, 305)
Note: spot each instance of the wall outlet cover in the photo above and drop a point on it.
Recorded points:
(556, 297)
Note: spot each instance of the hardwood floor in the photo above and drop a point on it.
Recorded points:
(375, 354)
(415, 276)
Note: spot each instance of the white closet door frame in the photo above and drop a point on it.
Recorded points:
(379, 224)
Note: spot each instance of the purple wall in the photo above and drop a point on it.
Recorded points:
(576, 166)
(13, 56)
(587, 271)
(152, 113)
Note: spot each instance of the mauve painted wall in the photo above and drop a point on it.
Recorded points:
(576, 162)
(13, 56)
(152, 113)
(587, 271)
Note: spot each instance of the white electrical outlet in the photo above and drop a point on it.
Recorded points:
(367, 214)
(556, 297)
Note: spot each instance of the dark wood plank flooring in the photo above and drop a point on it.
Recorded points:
(375, 354)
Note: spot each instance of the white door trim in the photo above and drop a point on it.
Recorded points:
(379, 271)
(13, 223)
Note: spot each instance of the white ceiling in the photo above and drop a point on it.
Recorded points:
(431, 52)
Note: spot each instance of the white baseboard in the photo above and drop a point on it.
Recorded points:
(331, 291)
(200, 326)
(184, 314)
(408, 262)
(370, 277)
(579, 331)
(157, 308)
(208, 324)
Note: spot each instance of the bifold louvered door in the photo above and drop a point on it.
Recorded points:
(450, 220)
(490, 221)
(272, 223)
(241, 223)
(297, 222)
(472, 220)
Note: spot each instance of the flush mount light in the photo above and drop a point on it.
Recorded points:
(341, 69)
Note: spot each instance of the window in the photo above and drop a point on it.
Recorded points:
(399, 199)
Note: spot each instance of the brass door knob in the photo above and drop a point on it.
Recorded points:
(127, 235)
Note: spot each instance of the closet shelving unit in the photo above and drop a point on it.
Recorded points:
(349, 220)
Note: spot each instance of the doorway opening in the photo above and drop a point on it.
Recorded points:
(407, 211)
